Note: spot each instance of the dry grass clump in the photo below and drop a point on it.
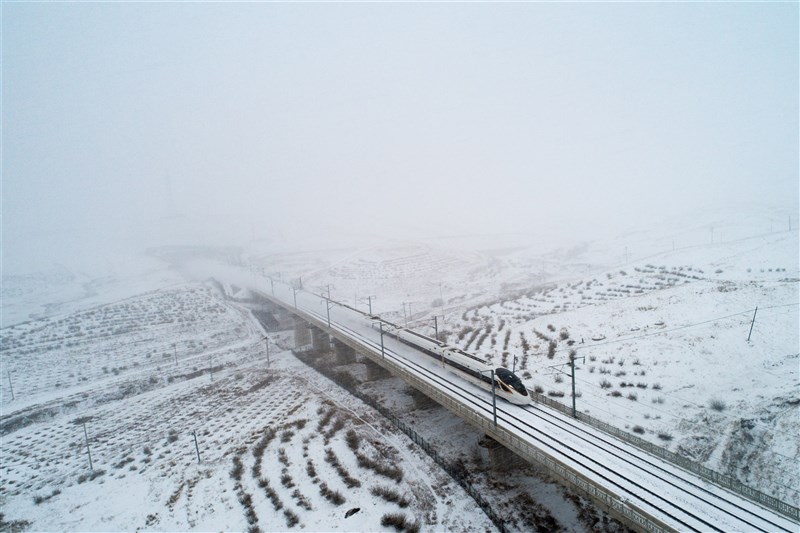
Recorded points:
(399, 522)
(717, 405)
(331, 459)
(392, 472)
(353, 440)
(333, 496)
(390, 496)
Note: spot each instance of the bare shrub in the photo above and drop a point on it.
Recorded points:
(605, 384)
(333, 496)
(632, 396)
(665, 437)
(238, 468)
(291, 518)
(353, 441)
(638, 429)
(391, 471)
(325, 419)
(390, 496)
(399, 522)
(302, 501)
(616, 394)
(717, 405)
(551, 349)
(330, 458)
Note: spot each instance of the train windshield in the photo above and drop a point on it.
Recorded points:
(509, 378)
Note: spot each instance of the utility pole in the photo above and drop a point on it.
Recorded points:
(272, 284)
(558, 368)
(294, 289)
(88, 451)
(436, 325)
(369, 303)
(196, 447)
(406, 316)
(383, 353)
(752, 323)
(572, 358)
(328, 306)
(10, 385)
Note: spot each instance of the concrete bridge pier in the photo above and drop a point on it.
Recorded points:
(421, 400)
(320, 340)
(345, 355)
(499, 457)
(302, 335)
(375, 371)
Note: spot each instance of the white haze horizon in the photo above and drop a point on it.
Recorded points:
(129, 125)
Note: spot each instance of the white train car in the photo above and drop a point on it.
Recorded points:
(467, 366)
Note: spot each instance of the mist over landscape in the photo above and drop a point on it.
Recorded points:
(528, 183)
(273, 121)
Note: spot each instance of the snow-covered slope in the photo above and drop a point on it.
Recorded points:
(659, 319)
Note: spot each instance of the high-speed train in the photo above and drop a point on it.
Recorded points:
(464, 365)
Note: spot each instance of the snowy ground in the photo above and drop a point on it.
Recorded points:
(112, 368)
(280, 446)
(658, 320)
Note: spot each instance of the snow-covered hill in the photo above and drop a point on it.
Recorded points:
(659, 319)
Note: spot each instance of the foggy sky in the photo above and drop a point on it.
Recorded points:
(385, 118)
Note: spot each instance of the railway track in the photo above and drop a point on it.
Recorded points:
(674, 496)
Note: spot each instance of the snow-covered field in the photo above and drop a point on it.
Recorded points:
(280, 447)
(147, 360)
(144, 376)
(658, 320)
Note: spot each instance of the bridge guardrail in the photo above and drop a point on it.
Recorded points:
(715, 477)
(615, 505)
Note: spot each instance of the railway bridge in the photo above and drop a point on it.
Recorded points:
(640, 489)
